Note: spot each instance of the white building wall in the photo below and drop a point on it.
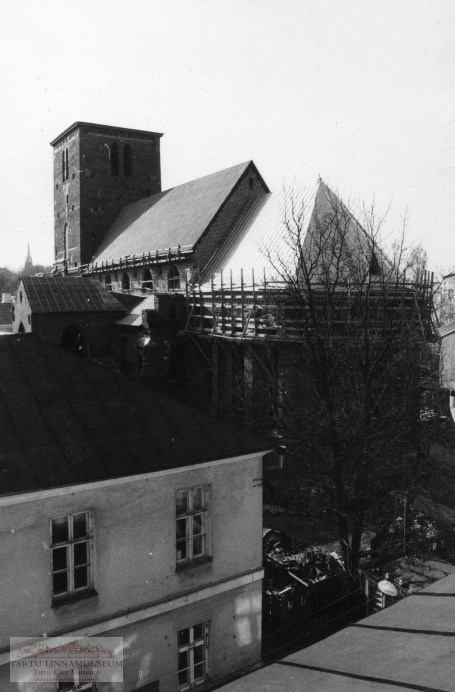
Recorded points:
(134, 562)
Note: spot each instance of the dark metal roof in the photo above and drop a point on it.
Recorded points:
(64, 420)
(407, 646)
(103, 127)
(178, 216)
(68, 294)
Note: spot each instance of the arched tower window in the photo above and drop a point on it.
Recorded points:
(125, 282)
(127, 163)
(65, 241)
(114, 159)
(65, 165)
(173, 278)
(147, 279)
(108, 282)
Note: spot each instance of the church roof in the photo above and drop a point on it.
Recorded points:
(262, 243)
(178, 216)
(68, 294)
(64, 421)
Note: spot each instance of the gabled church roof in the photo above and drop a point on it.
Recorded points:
(68, 294)
(178, 216)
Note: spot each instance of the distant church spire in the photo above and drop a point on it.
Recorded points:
(28, 266)
(28, 259)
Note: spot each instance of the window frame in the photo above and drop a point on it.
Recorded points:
(147, 283)
(191, 646)
(70, 561)
(173, 279)
(190, 516)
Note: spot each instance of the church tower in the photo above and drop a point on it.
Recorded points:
(98, 169)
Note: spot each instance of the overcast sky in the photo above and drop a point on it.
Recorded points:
(361, 92)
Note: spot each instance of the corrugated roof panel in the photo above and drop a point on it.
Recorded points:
(68, 294)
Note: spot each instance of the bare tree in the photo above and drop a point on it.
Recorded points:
(351, 391)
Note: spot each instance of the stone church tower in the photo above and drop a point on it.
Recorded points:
(98, 169)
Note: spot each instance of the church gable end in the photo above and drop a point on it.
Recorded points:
(250, 186)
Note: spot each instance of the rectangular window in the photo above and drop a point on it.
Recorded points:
(191, 534)
(71, 552)
(193, 645)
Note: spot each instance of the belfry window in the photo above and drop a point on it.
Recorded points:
(65, 165)
(114, 159)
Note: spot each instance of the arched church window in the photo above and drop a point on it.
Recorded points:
(173, 278)
(127, 163)
(147, 279)
(114, 159)
(125, 282)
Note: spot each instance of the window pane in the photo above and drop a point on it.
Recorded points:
(198, 546)
(183, 637)
(183, 660)
(198, 524)
(181, 528)
(198, 498)
(181, 550)
(59, 559)
(181, 501)
(80, 525)
(183, 678)
(80, 554)
(199, 671)
(59, 530)
(80, 577)
(198, 632)
(198, 653)
(60, 581)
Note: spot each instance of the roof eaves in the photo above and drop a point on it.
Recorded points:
(80, 123)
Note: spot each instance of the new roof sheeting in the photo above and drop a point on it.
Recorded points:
(263, 241)
(178, 216)
(68, 294)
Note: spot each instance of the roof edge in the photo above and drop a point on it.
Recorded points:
(80, 123)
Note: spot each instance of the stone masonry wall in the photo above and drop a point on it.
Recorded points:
(92, 197)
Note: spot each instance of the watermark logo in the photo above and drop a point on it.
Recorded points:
(81, 661)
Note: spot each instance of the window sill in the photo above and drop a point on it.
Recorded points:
(73, 598)
(188, 564)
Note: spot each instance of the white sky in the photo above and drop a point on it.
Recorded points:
(361, 92)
